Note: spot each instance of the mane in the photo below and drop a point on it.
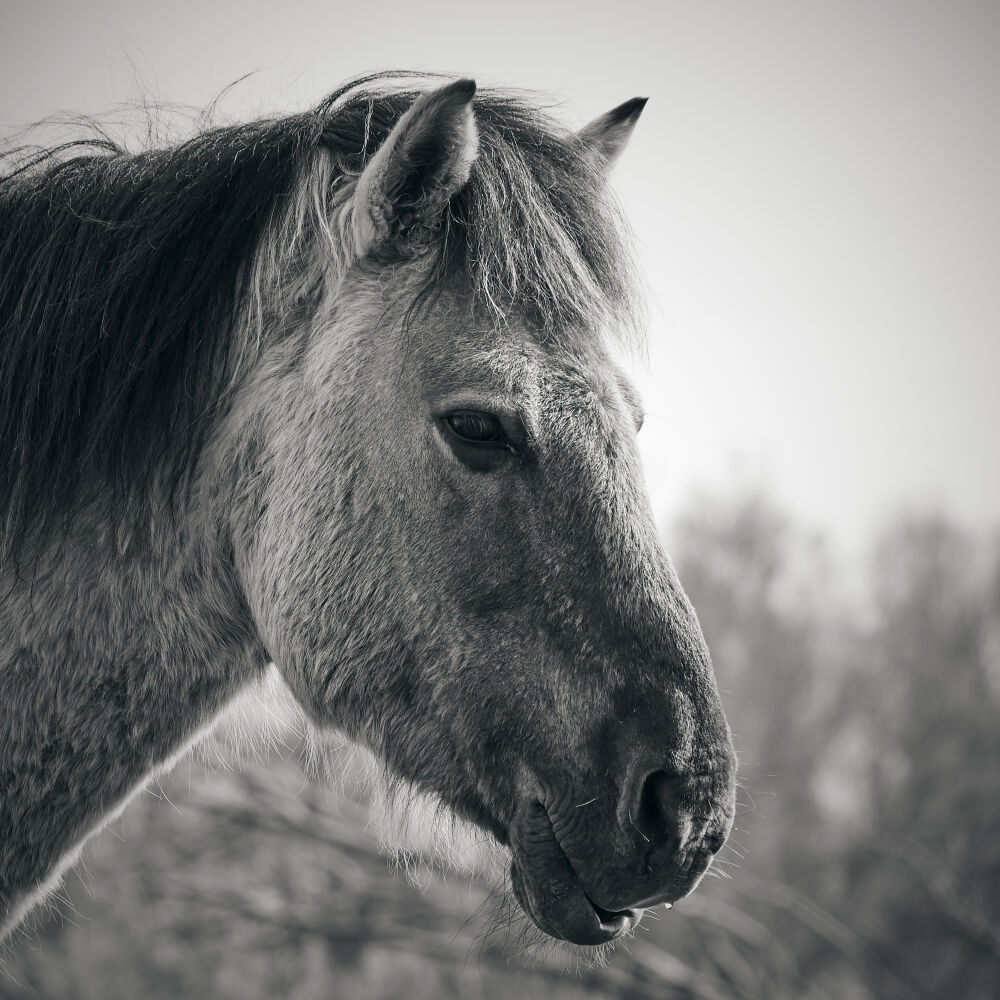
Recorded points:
(137, 288)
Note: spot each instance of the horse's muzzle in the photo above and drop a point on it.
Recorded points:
(585, 878)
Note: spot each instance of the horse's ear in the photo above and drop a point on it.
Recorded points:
(425, 160)
(608, 135)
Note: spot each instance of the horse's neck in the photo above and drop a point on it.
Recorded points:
(110, 664)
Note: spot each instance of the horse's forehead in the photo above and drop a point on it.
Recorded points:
(548, 377)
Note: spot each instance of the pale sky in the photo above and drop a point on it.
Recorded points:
(816, 189)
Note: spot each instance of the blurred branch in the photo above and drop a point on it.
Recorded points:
(742, 927)
(942, 886)
(667, 969)
(826, 926)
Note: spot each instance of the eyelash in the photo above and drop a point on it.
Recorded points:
(475, 427)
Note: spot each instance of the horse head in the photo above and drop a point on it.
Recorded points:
(438, 513)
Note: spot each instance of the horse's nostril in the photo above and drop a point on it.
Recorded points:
(655, 811)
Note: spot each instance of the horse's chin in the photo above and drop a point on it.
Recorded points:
(550, 891)
(559, 907)
(422, 834)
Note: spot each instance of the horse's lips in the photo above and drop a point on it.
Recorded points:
(575, 918)
(552, 895)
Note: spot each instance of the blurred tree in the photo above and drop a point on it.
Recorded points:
(932, 873)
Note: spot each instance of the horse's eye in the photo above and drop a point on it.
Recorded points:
(476, 427)
(478, 439)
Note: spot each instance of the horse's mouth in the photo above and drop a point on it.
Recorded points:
(571, 915)
(550, 892)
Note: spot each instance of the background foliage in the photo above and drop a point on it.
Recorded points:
(866, 862)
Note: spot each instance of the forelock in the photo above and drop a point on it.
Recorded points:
(535, 235)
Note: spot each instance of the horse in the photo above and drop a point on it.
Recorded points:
(337, 391)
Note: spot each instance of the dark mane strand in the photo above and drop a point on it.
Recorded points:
(120, 281)
(131, 284)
